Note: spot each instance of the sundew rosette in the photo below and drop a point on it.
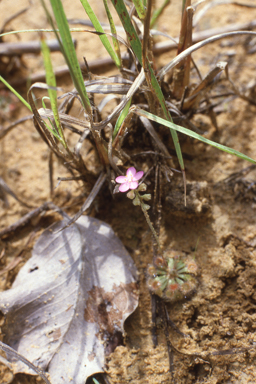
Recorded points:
(172, 278)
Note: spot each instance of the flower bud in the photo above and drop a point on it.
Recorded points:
(146, 197)
(131, 194)
(136, 201)
(142, 187)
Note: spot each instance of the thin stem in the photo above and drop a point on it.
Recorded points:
(142, 204)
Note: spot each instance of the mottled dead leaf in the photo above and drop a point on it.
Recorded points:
(67, 306)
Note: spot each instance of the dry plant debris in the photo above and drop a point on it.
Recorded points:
(67, 306)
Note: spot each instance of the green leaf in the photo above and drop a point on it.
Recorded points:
(51, 81)
(16, 93)
(154, 85)
(129, 28)
(99, 28)
(68, 50)
(190, 133)
(51, 128)
(121, 118)
(113, 31)
(161, 99)
(140, 8)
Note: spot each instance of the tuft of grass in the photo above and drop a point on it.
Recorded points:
(146, 83)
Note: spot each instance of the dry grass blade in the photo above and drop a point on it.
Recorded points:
(40, 126)
(12, 17)
(166, 46)
(52, 92)
(149, 127)
(236, 90)
(133, 89)
(197, 46)
(104, 89)
(197, 94)
(11, 352)
(88, 202)
(64, 118)
(5, 189)
(158, 48)
(4, 131)
(24, 220)
(18, 49)
(181, 72)
(146, 34)
(72, 160)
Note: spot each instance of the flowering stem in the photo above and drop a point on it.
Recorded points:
(144, 210)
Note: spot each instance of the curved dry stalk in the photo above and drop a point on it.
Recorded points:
(133, 89)
(10, 351)
(197, 46)
(149, 127)
(88, 202)
(34, 47)
(64, 118)
(198, 92)
(12, 17)
(4, 131)
(5, 189)
(72, 160)
(44, 132)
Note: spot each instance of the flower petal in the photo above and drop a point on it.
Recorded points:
(131, 171)
(121, 179)
(133, 184)
(138, 175)
(124, 187)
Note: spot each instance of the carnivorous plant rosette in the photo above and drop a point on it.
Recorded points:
(172, 278)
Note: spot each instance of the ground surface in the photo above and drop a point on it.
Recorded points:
(222, 313)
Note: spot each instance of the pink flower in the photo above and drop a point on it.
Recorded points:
(130, 181)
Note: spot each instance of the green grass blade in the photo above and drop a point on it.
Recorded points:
(129, 28)
(52, 128)
(154, 85)
(161, 99)
(68, 50)
(121, 118)
(99, 28)
(113, 31)
(140, 8)
(15, 93)
(51, 81)
(190, 133)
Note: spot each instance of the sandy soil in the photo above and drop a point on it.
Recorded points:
(221, 314)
